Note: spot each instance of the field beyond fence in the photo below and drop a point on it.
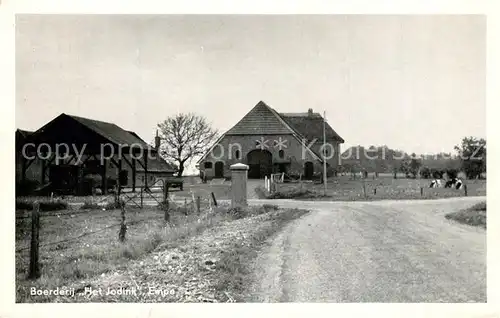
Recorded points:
(382, 188)
(76, 246)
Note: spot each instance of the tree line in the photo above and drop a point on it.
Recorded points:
(469, 157)
(186, 136)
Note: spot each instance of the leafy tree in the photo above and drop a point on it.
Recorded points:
(415, 165)
(185, 137)
(411, 166)
(425, 173)
(472, 153)
(452, 173)
(437, 173)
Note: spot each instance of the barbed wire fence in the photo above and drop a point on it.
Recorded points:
(193, 204)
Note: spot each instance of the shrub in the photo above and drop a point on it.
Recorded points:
(113, 205)
(425, 173)
(294, 193)
(261, 192)
(452, 173)
(437, 174)
(240, 213)
(89, 206)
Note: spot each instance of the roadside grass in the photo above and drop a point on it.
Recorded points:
(70, 256)
(295, 193)
(82, 261)
(382, 188)
(474, 216)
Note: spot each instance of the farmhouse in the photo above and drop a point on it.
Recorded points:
(271, 142)
(95, 149)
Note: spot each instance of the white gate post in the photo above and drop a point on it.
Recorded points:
(239, 175)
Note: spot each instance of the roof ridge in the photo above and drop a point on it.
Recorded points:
(95, 120)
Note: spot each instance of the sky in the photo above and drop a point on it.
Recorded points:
(416, 83)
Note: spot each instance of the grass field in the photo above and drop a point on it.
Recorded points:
(382, 188)
(79, 245)
(474, 216)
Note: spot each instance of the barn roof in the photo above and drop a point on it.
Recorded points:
(156, 164)
(310, 126)
(24, 133)
(263, 119)
(111, 132)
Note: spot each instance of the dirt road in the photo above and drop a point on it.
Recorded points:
(386, 251)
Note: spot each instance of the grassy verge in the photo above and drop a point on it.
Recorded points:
(79, 246)
(234, 270)
(344, 189)
(474, 216)
(173, 257)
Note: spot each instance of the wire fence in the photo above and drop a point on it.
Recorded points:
(165, 202)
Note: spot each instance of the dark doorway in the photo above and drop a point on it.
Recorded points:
(63, 178)
(260, 163)
(282, 167)
(308, 170)
(219, 169)
(123, 177)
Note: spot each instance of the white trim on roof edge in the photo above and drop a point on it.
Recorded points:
(283, 122)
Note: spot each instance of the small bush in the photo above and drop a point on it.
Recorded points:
(113, 205)
(270, 207)
(240, 213)
(293, 194)
(261, 192)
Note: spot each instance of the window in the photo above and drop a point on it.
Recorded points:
(281, 154)
(208, 165)
(237, 154)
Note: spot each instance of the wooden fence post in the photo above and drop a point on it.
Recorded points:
(122, 235)
(421, 191)
(185, 206)
(465, 189)
(34, 271)
(364, 187)
(193, 200)
(166, 203)
(198, 203)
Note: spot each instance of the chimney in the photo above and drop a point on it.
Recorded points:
(157, 141)
(310, 112)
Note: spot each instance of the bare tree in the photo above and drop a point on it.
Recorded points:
(184, 137)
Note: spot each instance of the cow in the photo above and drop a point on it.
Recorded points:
(436, 183)
(455, 182)
(458, 184)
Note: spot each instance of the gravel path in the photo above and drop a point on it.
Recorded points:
(385, 251)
